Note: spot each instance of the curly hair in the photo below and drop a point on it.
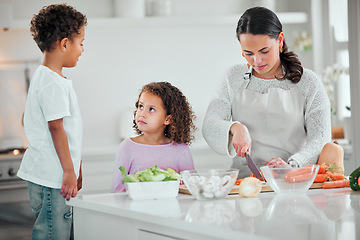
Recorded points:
(175, 104)
(260, 20)
(55, 22)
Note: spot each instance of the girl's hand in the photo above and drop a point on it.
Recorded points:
(241, 139)
(277, 163)
(69, 185)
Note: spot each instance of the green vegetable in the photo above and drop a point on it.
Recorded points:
(154, 174)
(173, 174)
(354, 184)
(130, 177)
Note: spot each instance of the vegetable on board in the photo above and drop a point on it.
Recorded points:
(336, 184)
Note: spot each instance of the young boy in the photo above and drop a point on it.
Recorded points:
(52, 163)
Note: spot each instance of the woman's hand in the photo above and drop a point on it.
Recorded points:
(277, 163)
(241, 139)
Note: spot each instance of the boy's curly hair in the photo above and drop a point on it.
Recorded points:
(55, 22)
(175, 104)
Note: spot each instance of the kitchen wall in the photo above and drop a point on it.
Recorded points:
(120, 57)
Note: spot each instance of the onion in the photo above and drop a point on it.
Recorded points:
(250, 187)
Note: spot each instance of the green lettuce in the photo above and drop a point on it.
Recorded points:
(153, 174)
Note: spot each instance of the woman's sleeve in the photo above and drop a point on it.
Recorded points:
(121, 160)
(218, 119)
(317, 122)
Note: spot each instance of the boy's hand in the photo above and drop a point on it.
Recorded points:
(79, 181)
(69, 185)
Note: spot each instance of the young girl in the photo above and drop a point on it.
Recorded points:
(164, 122)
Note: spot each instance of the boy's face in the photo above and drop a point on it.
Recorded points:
(75, 48)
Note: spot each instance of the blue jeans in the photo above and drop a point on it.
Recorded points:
(53, 217)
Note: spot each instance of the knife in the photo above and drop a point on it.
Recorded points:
(252, 165)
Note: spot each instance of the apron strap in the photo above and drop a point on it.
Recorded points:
(247, 77)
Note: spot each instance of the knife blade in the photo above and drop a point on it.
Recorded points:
(252, 166)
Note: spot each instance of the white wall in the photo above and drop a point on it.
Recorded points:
(118, 60)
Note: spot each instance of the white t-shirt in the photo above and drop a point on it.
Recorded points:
(50, 97)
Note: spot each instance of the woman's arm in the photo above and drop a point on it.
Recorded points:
(218, 118)
(317, 120)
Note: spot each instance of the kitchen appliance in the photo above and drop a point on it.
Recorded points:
(5, 16)
(16, 218)
(12, 188)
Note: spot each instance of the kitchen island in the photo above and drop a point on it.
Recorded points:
(320, 214)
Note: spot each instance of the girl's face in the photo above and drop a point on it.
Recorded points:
(262, 53)
(74, 49)
(150, 115)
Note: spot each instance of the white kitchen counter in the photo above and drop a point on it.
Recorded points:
(320, 214)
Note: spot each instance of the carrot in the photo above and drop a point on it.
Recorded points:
(253, 175)
(336, 184)
(321, 177)
(298, 178)
(297, 172)
(339, 176)
(331, 175)
(237, 182)
(322, 168)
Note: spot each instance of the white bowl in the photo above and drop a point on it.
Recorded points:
(290, 180)
(152, 190)
(209, 184)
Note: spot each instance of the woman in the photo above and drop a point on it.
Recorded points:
(271, 107)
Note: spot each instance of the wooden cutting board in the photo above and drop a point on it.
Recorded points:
(235, 189)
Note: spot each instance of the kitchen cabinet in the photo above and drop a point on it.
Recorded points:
(179, 21)
(331, 214)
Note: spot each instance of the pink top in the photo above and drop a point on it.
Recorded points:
(138, 157)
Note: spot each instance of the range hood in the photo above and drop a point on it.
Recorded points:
(5, 16)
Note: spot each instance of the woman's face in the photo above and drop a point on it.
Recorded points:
(262, 53)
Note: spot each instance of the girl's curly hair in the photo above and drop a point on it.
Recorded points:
(55, 22)
(175, 104)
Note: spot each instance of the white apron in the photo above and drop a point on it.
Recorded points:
(275, 121)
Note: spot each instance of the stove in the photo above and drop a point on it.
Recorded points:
(12, 188)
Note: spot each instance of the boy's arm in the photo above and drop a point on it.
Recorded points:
(59, 137)
(79, 181)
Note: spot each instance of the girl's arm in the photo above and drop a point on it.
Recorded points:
(186, 160)
(69, 183)
(121, 160)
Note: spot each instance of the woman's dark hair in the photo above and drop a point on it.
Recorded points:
(55, 22)
(260, 20)
(175, 104)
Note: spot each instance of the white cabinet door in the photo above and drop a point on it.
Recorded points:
(146, 235)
